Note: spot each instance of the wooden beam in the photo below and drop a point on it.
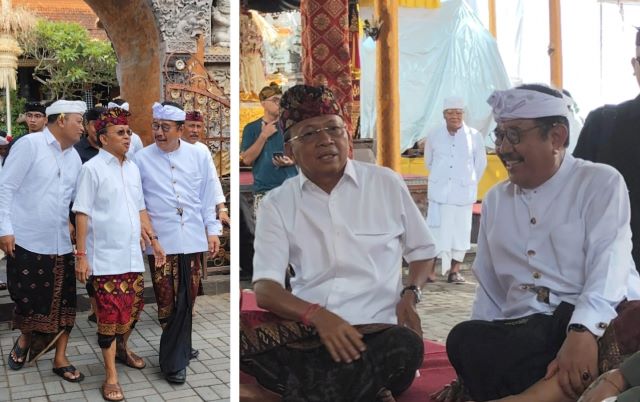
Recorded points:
(492, 18)
(387, 85)
(555, 43)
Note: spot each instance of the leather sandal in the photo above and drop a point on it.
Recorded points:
(130, 359)
(60, 371)
(19, 353)
(109, 389)
(456, 278)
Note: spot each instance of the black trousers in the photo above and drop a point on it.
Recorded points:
(496, 359)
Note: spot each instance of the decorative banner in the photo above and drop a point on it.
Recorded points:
(325, 42)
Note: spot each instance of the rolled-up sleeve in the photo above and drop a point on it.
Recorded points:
(13, 173)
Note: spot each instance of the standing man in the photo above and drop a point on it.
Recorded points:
(35, 117)
(193, 134)
(37, 186)
(109, 209)
(88, 146)
(456, 158)
(178, 181)
(136, 141)
(553, 265)
(348, 330)
(263, 147)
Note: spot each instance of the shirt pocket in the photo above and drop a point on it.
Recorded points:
(567, 242)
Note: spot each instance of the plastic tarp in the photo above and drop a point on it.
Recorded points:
(443, 52)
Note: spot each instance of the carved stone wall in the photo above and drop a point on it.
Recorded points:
(181, 21)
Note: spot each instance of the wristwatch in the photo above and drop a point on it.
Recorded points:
(416, 292)
(577, 328)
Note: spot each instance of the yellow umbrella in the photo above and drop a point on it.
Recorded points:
(13, 22)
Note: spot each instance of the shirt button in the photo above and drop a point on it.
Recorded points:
(537, 275)
(531, 253)
(451, 166)
(603, 325)
(533, 221)
(173, 167)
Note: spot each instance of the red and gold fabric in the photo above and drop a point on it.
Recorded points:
(119, 302)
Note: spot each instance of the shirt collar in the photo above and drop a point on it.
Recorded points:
(555, 182)
(349, 172)
(108, 157)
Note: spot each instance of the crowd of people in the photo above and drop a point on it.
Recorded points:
(555, 315)
(82, 199)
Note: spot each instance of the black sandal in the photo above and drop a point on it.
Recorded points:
(19, 353)
(59, 371)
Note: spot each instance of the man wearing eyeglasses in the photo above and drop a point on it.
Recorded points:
(455, 156)
(557, 285)
(348, 330)
(263, 147)
(179, 192)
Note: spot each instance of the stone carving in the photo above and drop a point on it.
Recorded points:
(221, 22)
(222, 78)
(181, 21)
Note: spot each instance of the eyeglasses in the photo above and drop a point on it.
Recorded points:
(513, 135)
(274, 99)
(311, 136)
(165, 127)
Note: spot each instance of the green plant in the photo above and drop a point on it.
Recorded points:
(17, 107)
(68, 59)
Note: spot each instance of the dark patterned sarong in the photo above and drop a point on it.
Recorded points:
(496, 359)
(43, 288)
(166, 281)
(176, 286)
(119, 302)
(288, 358)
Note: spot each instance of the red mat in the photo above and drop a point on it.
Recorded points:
(435, 373)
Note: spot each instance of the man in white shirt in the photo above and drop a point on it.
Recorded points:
(109, 208)
(136, 141)
(455, 156)
(37, 186)
(193, 133)
(554, 265)
(343, 227)
(178, 181)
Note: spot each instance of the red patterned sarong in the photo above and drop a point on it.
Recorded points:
(119, 301)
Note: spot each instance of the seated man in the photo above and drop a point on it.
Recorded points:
(348, 331)
(553, 264)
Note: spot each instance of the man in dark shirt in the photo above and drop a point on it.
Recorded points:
(87, 147)
(263, 147)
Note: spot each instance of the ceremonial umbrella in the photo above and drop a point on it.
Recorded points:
(13, 22)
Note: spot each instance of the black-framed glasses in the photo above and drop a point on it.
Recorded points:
(164, 127)
(274, 99)
(312, 135)
(513, 135)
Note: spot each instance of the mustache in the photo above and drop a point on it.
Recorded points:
(509, 156)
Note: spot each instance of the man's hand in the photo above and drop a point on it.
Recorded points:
(576, 364)
(268, 129)
(282, 161)
(158, 254)
(82, 269)
(8, 244)
(214, 244)
(342, 340)
(608, 384)
(407, 313)
(224, 218)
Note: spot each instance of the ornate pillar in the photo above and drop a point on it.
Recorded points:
(555, 45)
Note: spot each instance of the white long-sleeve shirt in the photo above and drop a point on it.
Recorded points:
(346, 247)
(219, 194)
(570, 235)
(179, 192)
(111, 195)
(37, 185)
(456, 164)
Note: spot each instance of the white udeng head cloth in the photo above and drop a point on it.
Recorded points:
(453, 102)
(168, 112)
(65, 106)
(526, 104)
(124, 106)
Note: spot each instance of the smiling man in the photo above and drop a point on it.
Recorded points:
(178, 184)
(553, 265)
(343, 227)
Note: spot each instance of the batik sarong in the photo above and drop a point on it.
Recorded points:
(119, 302)
(176, 286)
(288, 358)
(495, 359)
(43, 289)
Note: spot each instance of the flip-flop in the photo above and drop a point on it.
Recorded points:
(59, 371)
(109, 388)
(19, 353)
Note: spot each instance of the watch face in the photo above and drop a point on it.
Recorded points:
(610, 399)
